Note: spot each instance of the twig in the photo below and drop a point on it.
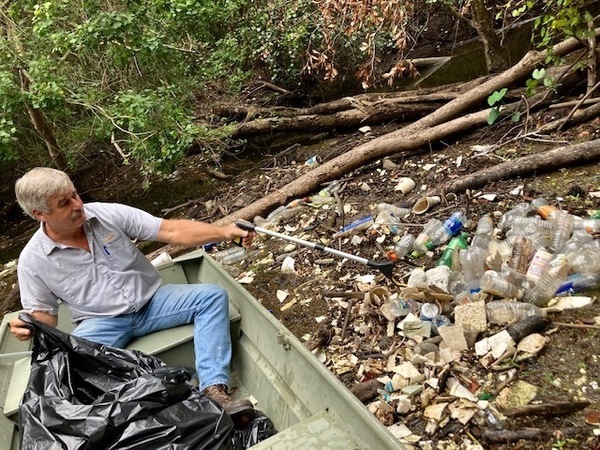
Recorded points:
(585, 97)
(576, 325)
(347, 319)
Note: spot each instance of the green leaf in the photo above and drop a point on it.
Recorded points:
(493, 115)
(538, 74)
(497, 96)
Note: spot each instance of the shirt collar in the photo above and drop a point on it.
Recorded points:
(48, 244)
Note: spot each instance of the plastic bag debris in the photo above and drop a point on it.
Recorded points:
(83, 395)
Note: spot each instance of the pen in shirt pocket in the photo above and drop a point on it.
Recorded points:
(106, 250)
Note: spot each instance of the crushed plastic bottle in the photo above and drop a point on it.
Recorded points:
(554, 275)
(450, 228)
(292, 209)
(587, 261)
(472, 262)
(591, 226)
(580, 239)
(483, 233)
(519, 259)
(537, 266)
(501, 312)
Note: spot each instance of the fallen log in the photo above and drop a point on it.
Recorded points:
(547, 409)
(531, 434)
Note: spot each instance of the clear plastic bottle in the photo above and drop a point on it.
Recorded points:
(519, 259)
(589, 225)
(499, 287)
(563, 227)
(579, 282)
(513, 276)
(424, 239)
(399, 212)
(292, 209)
(502, 312)
(554, 275)
(587, 261)
(358, 225)
(472, 262)
(580, 239)
(450, 228)
(317, 200)
(543, 208)
(402, 248)
(538, 264)
(519, 210)
(483, 233)
(231, 255)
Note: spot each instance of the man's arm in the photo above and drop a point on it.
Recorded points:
(191, 233)
(20, 330)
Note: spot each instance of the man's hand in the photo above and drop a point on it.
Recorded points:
(236, 232)
(19, 329)
(22, 332)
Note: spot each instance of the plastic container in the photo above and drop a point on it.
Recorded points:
(543, 208)
(388, 219)
(580, 239)
(320, 200)
(513, 277)
(286, 211)
(402, 248)
(589, 225)
(503, 312)
(231, 255)
(358, 225)
(399, 212)
(472, 262)
(450, 228)
(554, 275)
(538, 264)
(499, 286)
(563, 227)
(457, 242)
(579, 282)
(438, 322)
(519, 210)
(423, 242)
(519, 259)
(484, 234)
(587, 261)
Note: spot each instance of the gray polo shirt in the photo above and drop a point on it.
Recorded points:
(115, 278)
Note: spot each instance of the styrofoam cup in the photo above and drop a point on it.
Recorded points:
(162, 260)
(405, 185)
(425, 203)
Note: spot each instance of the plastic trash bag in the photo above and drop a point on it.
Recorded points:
(83, 395)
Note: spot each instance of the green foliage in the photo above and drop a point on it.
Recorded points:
(128, 73)
(494, 100)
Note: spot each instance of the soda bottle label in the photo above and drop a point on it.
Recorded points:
(453, 225)
(538, 265)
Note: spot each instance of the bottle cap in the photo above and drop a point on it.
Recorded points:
(429, 311)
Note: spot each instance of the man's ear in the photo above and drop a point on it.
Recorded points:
(40, 216)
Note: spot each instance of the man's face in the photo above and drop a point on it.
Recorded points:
(66, 212)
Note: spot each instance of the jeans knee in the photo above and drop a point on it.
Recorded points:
(218, 295)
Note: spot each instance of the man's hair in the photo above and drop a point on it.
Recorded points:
(35, 188)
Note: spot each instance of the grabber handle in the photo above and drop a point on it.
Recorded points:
(245, 225)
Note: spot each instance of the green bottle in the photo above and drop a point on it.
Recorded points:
(459, 241)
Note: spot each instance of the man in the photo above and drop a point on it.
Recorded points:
(84, 256)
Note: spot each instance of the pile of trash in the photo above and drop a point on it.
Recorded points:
(446, 338)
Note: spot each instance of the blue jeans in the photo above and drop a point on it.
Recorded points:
(204, 305)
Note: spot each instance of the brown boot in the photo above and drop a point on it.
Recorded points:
(218, 393)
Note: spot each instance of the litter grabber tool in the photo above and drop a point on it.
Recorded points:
(385, 268)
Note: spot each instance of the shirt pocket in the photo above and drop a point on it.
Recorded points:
(80, 287)
(120, 253)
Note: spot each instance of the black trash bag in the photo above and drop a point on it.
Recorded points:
(83, 395)
(257, 430)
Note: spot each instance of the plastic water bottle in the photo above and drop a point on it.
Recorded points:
(502, 312)
(231, 255)
(500, 287)
(519, 259)
(472, 262)
(543, 208)
(450, 228)
(554, 275)
(358, 225)
(424, 240)
(589, 225)
(483, 233)
(587, 261)
(579, 282)
(519, 210)
(563, 227)
(580, 239)
(294, 208)
(402, 248)
(401, 213)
